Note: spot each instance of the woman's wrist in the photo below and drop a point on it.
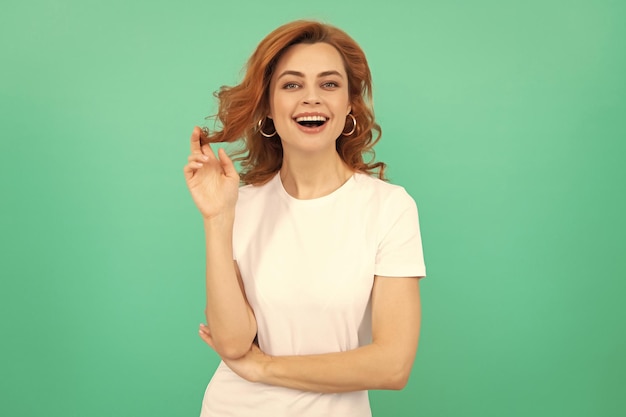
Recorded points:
(218, 221)
(264, 369)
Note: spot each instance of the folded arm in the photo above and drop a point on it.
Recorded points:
(384, 364)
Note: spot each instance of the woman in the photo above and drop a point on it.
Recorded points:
(312, 265)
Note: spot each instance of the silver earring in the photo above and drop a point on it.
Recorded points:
(353, 126)
(260, 129)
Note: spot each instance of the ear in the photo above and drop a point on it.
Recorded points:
(349, 109)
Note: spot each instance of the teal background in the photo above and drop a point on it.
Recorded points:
(504, 120)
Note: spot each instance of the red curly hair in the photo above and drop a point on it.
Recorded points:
(242, 106)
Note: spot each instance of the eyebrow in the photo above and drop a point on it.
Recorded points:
(301, 75)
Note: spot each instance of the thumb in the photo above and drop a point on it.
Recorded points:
(227, 163)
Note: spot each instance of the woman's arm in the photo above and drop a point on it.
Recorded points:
(214, 186)
(228, 314)
(384, 364)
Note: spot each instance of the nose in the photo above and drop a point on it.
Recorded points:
(311, 96)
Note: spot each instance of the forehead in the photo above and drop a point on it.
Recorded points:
(310, 59)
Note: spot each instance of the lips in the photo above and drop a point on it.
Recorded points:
(311, 121)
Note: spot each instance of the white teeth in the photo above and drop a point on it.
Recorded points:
(310, 119)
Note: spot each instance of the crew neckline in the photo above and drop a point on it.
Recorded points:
(314, 201)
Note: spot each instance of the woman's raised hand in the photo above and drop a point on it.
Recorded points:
(213, 181)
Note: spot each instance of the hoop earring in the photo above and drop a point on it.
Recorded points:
(260, 129)
(353, 126)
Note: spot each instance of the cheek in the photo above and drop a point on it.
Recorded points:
(280, 115)
(342, 105)
(279, 107)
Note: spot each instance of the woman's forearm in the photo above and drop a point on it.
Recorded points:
(228, 314)
(384, 364)
(368, 367)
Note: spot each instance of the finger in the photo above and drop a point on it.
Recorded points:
(206, 338)
(205, 335)
(197, 158)
(205, 329)
(195, 140)
(204, 135)
(190, 169)
(227, 163)
(200, 142)
(206, 149)
(205, 144)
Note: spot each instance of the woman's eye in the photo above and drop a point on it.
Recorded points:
(290, 86)
(330, 84)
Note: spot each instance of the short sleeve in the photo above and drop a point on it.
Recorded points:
(399, 252)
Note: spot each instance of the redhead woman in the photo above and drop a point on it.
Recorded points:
(313, 260)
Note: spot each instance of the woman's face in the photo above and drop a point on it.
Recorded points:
(309, 97)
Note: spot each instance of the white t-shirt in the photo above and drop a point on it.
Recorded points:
(308, 268)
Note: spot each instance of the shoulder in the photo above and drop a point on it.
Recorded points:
(383, 193)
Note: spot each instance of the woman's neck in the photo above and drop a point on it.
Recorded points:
(312, 176)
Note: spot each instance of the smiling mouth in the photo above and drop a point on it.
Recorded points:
(311, 121)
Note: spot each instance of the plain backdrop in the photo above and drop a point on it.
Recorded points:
(503, 119)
